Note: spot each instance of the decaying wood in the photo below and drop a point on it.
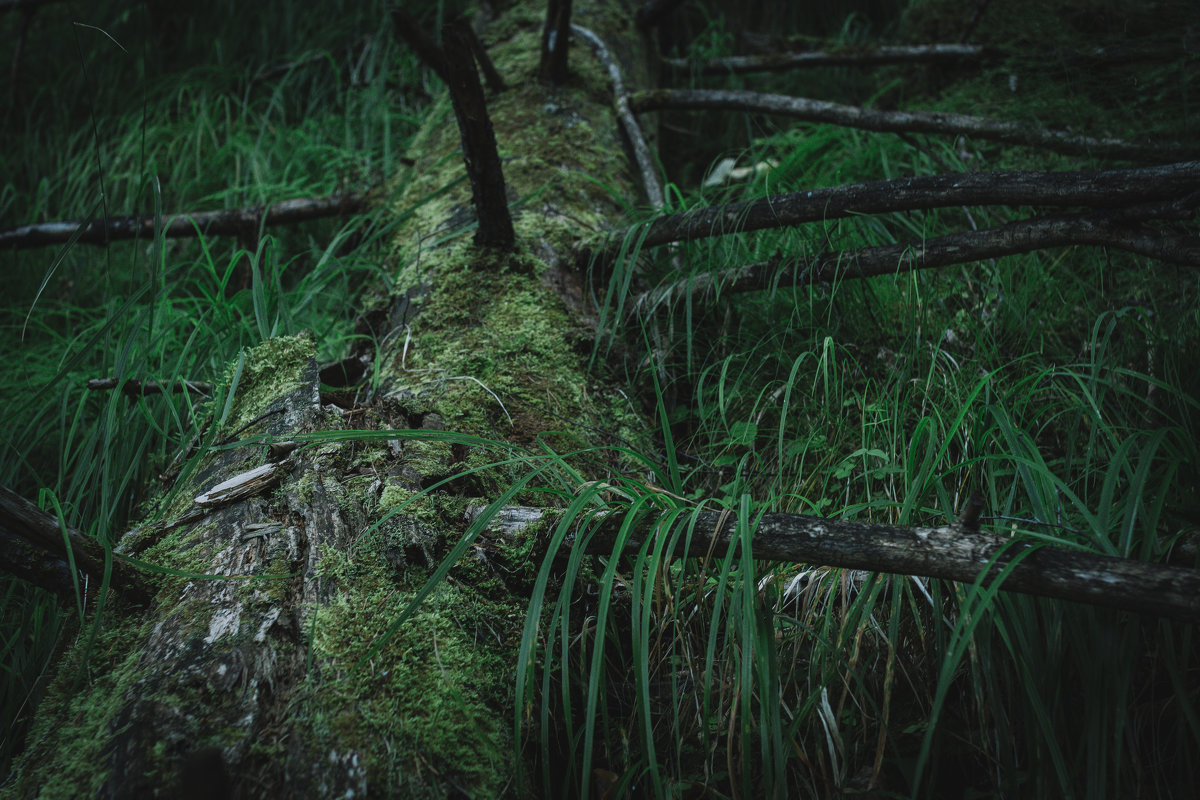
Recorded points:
(910, 122)
(235, 221)
(629, 123)
(234, 677)
(1107, 189)
(32, 542)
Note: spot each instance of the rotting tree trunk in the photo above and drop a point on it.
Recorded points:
(244, 683)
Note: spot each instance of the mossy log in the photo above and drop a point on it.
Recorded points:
(253, 672)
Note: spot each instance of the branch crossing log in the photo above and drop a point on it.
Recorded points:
(1108, 189)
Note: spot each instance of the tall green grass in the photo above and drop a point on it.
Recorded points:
(1056, 384)
(167, 115)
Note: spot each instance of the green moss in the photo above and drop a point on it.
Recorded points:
(73, 726)
(269, 371)
(433, 700)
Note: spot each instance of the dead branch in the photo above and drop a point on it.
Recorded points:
(1106, 189)
(641, 151)
(1118, 230)
(34, 549)
(850, 57)
(958, 552)
(951, 552)
(910, 122)
(232, 221)
(478, 140)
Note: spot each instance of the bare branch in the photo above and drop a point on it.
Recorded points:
(910, 122)
(1099, 229)
(134, 388)
(641, 151)
(208, 223)
(849, 57)
(1107, 189)
(36, 550)
(952, 552)
(478, 140)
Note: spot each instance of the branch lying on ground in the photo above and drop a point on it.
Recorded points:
(857, 57)
(1099, 229)
(209, 223)
(909, 122)
(952, 552)
(1107, 189)
(33, 544)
